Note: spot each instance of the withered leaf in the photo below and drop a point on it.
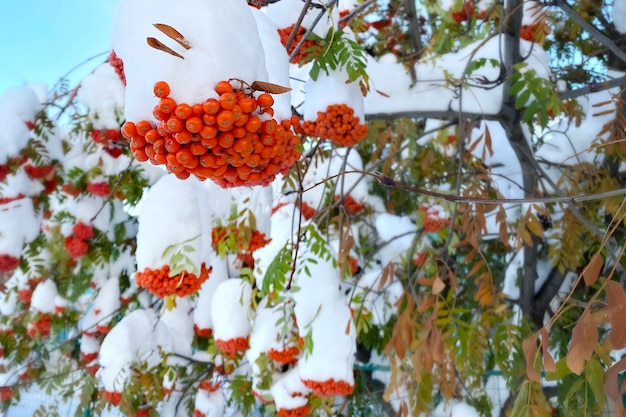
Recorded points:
(529, 347)
(617, 308)
(269, 87)
(438, 285)
(584, 341)
(173, 34)
(592, 271)
(157, 44)
(383, 94)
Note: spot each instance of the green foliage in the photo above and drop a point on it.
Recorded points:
(278, 271)
(535, 95)
(178, 257)
(337, 51)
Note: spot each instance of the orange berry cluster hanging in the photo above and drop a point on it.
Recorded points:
(304, 50)
(302, 411)
(329, 387)
(224, 140)
(338, 124)
(160, 283)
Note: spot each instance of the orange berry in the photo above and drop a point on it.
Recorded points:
(137, 142)
(208, 132)
(183, 111)
(129, 130)
(225, 120)
(172, 145)
(209, 143)
(267, 140)
(207, 160)
(223, 87)
(269, 126)
(143, 127)
(140, 155)
(237, 112)
(172, 161)
(225, 139)
(159, 147)
(161, 89)
(167, 105)
(183, 137)
(269, 111)
(194, 124)
(174, 124)
(228, 101)
(197, 148)
(247, 104)
(160, 159)
(152, 135)
(265, 100)
(242, 120)
(253, 124)
(254, 161)
(197, 109)
(239, 132)
(158, 114)
(211, 106)
(209, 119)
(184, 156)
(243, 146)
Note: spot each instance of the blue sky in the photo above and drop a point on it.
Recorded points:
(44, 39)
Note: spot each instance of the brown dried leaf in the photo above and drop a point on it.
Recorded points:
(611, 385)
(548, 360)
(603, 113)
(157, 44)
(529, 347)
(383, 94)
(438, 285)
(488, 141)
(584, 341)
(269, 87)
(363, 87)
(173, 34)
(387, 275)
(592, 270)
(617, 306)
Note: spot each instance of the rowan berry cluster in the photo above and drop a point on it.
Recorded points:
(118, 66)
(433, 221)
(76, 244)
(8, 263)
(160, 283)
(40, 327)
(225, 140)
(286, 356)
(329, 387)
(109, 139)
(233, 346)
(338, 124)
(303, 411)
(305, 50)
(37, 172)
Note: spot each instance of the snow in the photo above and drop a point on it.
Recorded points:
(343, 93)
(212, 404)
(17, 106)
(102, 92)
(19, 224)
(207, 62)
(163, 225)
(334, 346)
(230, 309)
(202, 313)
(432, 90)
(43, 300)
(619, 11)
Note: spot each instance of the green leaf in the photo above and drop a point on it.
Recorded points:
(594, 375)
(522, 98)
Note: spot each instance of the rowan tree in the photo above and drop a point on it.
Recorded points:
(351, 208)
